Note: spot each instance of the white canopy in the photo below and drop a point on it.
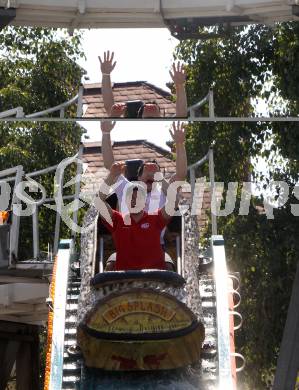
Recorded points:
(145, 13)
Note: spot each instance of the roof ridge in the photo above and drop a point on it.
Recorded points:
(161, 91)
(93, 144)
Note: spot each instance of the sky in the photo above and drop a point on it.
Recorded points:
(141, 54)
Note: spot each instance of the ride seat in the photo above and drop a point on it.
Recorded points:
(112, 277)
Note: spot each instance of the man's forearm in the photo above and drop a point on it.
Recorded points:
(181, 162)
(106, 186)
(107, 93)
(107, 150)
(100, 203)
(181, 101)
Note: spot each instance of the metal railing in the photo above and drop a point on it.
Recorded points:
(61, 107)
(225, 314)
(225, 378)
(234, 303)
(15, 222)
(226, 311)
(18, 112)
(35, 225)
(209, 98)
(209, 157)
(14, 227)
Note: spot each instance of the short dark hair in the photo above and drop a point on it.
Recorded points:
(141, 109)
(140, 169)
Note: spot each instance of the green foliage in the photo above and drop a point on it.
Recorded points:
(248, 63)
(265, 253)
(38, 70)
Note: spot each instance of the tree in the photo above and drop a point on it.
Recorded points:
(242, 65)
(38, 70)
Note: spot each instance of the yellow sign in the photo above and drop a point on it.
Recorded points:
(139, 311)
(173, 334)
(138, 306)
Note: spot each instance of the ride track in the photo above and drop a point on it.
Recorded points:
(68, 371)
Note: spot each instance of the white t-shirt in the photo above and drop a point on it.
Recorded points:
(155, 199)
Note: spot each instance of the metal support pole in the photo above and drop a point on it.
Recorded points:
(288, 360)
(15, 225)
(57, 233)
(211, 104)
(78, 184)
(80, 102)
(213, 194)
(58, 220)
(192, 182)
(35, 231)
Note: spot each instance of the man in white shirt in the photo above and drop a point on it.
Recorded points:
(149, 171)
(149, 174)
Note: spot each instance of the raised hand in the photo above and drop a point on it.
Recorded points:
(178, 74)
(178, 133)
(106, 127)
(107, 65)
(117, 110)
(117, 169)
(151, 168)
(151, 110)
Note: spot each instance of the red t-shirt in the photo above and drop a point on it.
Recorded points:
(138, 244)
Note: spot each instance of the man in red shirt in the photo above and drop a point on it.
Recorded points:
(137, 234)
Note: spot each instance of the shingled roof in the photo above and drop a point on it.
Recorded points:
(123, 150)
(123, 92)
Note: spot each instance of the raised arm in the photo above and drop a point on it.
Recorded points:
(107, 66)
(178, 136)
(173, 198)
(178, 76)
(107, 150)
(104, 209)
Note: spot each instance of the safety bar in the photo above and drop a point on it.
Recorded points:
(65, 252)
